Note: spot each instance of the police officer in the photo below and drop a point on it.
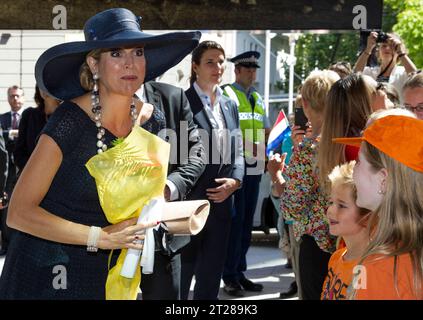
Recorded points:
(255, 127)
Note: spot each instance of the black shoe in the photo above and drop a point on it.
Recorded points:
(250, 286)
(233, 289)
(292, 291)
(288, 265)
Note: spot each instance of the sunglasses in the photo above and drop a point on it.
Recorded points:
(418, 108)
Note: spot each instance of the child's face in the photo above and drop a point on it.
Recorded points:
(343, 214)
(368, 183)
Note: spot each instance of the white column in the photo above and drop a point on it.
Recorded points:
(292, 40)
(267, 71)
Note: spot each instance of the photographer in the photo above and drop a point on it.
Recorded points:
(390, 51)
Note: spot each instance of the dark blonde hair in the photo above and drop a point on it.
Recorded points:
(347, 110)
(342, 68)
(198, 52)
(391, 92)
(299, 101)
(316, 87)
(415, 81)
(85, 74)
(397, 223)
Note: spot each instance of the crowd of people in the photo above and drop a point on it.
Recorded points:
(346, 187)
(345, 222)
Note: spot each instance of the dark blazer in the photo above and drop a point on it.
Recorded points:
(32, 122)
(3, 164)
(204, 256)
(221, 170)
(6, 121)
(176, 108)
(6, 124)
(164, 282)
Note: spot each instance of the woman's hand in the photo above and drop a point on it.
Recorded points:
(222, 192)
(276, 163)
(124, 234)
(297, 136)
(276, 166)
(397, 46)
(371, 41)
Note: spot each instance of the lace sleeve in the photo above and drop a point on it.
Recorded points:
(65, 126)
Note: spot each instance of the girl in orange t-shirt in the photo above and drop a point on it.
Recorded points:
(348, 221)
(389, 180)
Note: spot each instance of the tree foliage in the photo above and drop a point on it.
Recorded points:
(319, 50)
(409, 26)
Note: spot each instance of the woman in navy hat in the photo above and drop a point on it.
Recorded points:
(55, 204)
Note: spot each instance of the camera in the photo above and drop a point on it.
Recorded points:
(382, 37)
(364, 34)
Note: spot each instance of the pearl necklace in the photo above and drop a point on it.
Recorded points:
(96, 109)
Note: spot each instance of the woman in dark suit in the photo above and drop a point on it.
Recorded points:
(218, 122)
(32, 122)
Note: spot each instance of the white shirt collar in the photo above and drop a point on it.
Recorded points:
(140, 93)
(205, 98)
(18, 112)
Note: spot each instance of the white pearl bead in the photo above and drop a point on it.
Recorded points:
(104, 147)
(99, 151)
(99, 136)
(102, 131)
(99, 144)
(98, 124)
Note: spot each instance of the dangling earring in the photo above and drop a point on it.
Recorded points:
(96, 109)
(380, 191)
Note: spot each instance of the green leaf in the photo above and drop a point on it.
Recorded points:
(117, 141)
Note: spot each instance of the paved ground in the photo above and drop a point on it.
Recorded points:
(266, 266)
(265, 262)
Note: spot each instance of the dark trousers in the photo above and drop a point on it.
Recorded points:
(241, 228)
(163, 283)
(313, 265)
(205, 255)
(5, 230)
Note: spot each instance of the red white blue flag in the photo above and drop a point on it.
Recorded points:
(279, 132)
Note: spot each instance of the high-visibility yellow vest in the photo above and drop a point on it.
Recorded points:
(251, 120)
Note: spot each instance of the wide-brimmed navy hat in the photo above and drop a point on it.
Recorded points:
(57, 69)
(247, 59)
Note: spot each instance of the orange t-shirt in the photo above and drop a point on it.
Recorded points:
(339, 276)
(380, 280)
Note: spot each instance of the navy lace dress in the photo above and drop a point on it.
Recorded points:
(40, 269)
